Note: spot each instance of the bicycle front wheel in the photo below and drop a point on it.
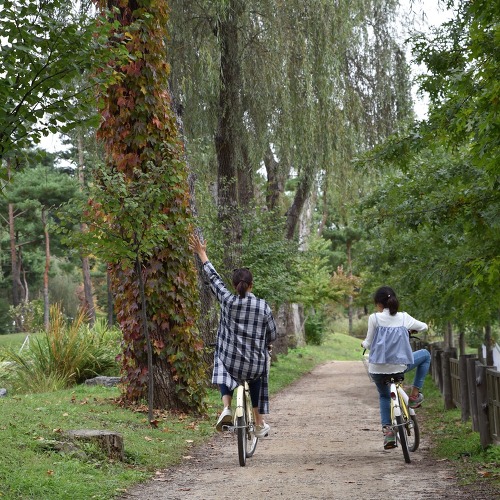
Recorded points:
(252, 439)
(412, 433)
(402, 437)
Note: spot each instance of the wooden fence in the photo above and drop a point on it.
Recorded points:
(467, 383)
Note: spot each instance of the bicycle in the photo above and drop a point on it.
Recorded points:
(403, 418)
(243, 424)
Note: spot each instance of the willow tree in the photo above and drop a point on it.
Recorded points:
(298, 88)
(140, 214)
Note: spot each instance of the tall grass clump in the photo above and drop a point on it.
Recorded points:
(68, 354)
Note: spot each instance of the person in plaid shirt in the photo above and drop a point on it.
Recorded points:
(246, 330)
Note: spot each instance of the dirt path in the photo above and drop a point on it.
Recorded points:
(325, 443)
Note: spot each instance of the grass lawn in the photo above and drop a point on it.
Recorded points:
(13, 340)
(31, 425)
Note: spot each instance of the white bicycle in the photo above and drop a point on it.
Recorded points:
(403, 418)
(244, 424)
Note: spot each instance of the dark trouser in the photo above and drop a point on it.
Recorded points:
(254, 386)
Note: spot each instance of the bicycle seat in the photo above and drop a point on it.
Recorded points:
(397, 377)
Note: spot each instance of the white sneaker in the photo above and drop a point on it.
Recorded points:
(225, 418)
(262, 430)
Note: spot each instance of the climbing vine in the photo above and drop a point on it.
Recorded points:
(139, 213)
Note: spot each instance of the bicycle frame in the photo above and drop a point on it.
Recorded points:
(404, 421)
(243, 424)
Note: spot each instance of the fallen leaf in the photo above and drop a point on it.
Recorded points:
(147, 438)
(50, 472)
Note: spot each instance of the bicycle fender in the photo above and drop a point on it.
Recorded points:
(240, 401)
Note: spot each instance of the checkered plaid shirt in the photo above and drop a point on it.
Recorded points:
(246, 328)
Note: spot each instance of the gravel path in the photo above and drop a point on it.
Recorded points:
(325, 443)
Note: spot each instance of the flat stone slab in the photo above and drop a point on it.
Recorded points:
(101, 380)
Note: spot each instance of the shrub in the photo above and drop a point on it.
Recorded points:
(66, 355)
(314, 328)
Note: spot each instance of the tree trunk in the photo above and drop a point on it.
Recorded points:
(275, 180)
(46, 305)
(448, 336)
(228, 136)
(488, 342)
(461, 342)
(110, 304)
(87, 283)
(17, 287)
(293, 214)
(349, 273)
(16, 274)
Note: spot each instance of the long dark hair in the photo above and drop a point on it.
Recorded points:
(242, 279)
(386, 296)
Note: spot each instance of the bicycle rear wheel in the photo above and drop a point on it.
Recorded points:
(402, 437)
(242, 439)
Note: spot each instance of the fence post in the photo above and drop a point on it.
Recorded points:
(464, 386)
(471, 382)
(482, 406)
(446, 376)
(438, 370)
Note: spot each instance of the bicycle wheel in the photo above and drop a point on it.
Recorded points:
(412, 433)
(242, 439)
(251, 437)
(402, 438)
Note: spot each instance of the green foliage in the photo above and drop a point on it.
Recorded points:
(67, 354)
(31, 314)
(271, 259)
(138, 218)
(433, 222)
(314, 328)
(44, 49)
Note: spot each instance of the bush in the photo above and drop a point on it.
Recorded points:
(67, 354)
(314, 328)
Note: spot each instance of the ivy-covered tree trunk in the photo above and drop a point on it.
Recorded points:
(140, 136)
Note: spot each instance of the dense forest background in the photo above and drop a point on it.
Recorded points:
(283, 131)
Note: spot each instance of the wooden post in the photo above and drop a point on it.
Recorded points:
(446, 380)
(482, 405)
(464, 386)
(439, 370)
(471, 379)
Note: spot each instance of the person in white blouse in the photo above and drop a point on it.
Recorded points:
(388, 340)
